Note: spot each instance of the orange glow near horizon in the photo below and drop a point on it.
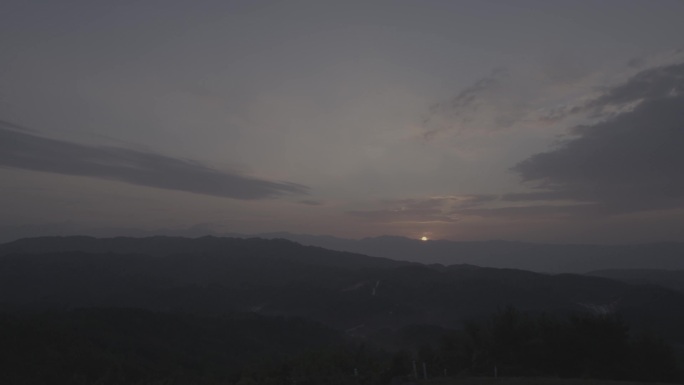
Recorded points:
(424, 238)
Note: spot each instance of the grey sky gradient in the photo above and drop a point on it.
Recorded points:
(551, 121)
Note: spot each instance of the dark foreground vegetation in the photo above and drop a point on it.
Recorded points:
(133, 346)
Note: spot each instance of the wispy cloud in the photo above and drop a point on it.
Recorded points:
(465, 109)
(550, 99)
(23, 149)
(14, 126)
(423, 210)
(310, 202)
(649, 84)
(544, 211)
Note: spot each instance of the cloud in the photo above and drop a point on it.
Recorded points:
(24, 150)
(508, 100)
(534, 211)
(642, 79)
(15, 126)
(404, 215)
(541, 196)
(464, 109)
(551, 98)
(310, 202)
(651, 84)
(423, 210)
(630, 161)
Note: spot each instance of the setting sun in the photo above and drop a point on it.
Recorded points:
(424, 238)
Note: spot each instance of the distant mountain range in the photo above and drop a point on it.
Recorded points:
(346, 291)
(550, 258)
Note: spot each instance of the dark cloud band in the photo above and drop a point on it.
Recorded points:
(629, 162)
(24, 150)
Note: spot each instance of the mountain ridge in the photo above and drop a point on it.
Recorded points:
(278, 277)
(539, 257)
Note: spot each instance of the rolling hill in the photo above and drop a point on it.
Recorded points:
(346, 291)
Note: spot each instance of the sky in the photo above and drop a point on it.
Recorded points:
(542, 121)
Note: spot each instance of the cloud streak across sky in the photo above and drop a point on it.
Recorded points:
(23, 150)
(437, 209)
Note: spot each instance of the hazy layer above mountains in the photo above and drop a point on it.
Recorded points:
(549, 258)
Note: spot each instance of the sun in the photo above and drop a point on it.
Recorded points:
(424, 238)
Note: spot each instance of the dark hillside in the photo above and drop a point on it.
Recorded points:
(673, 279)
(271, 277)
(165, 246)
(133, 346)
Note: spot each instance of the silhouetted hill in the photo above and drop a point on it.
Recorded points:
(673, 279)
(550, 258)
(275, 277)
(209, 245)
